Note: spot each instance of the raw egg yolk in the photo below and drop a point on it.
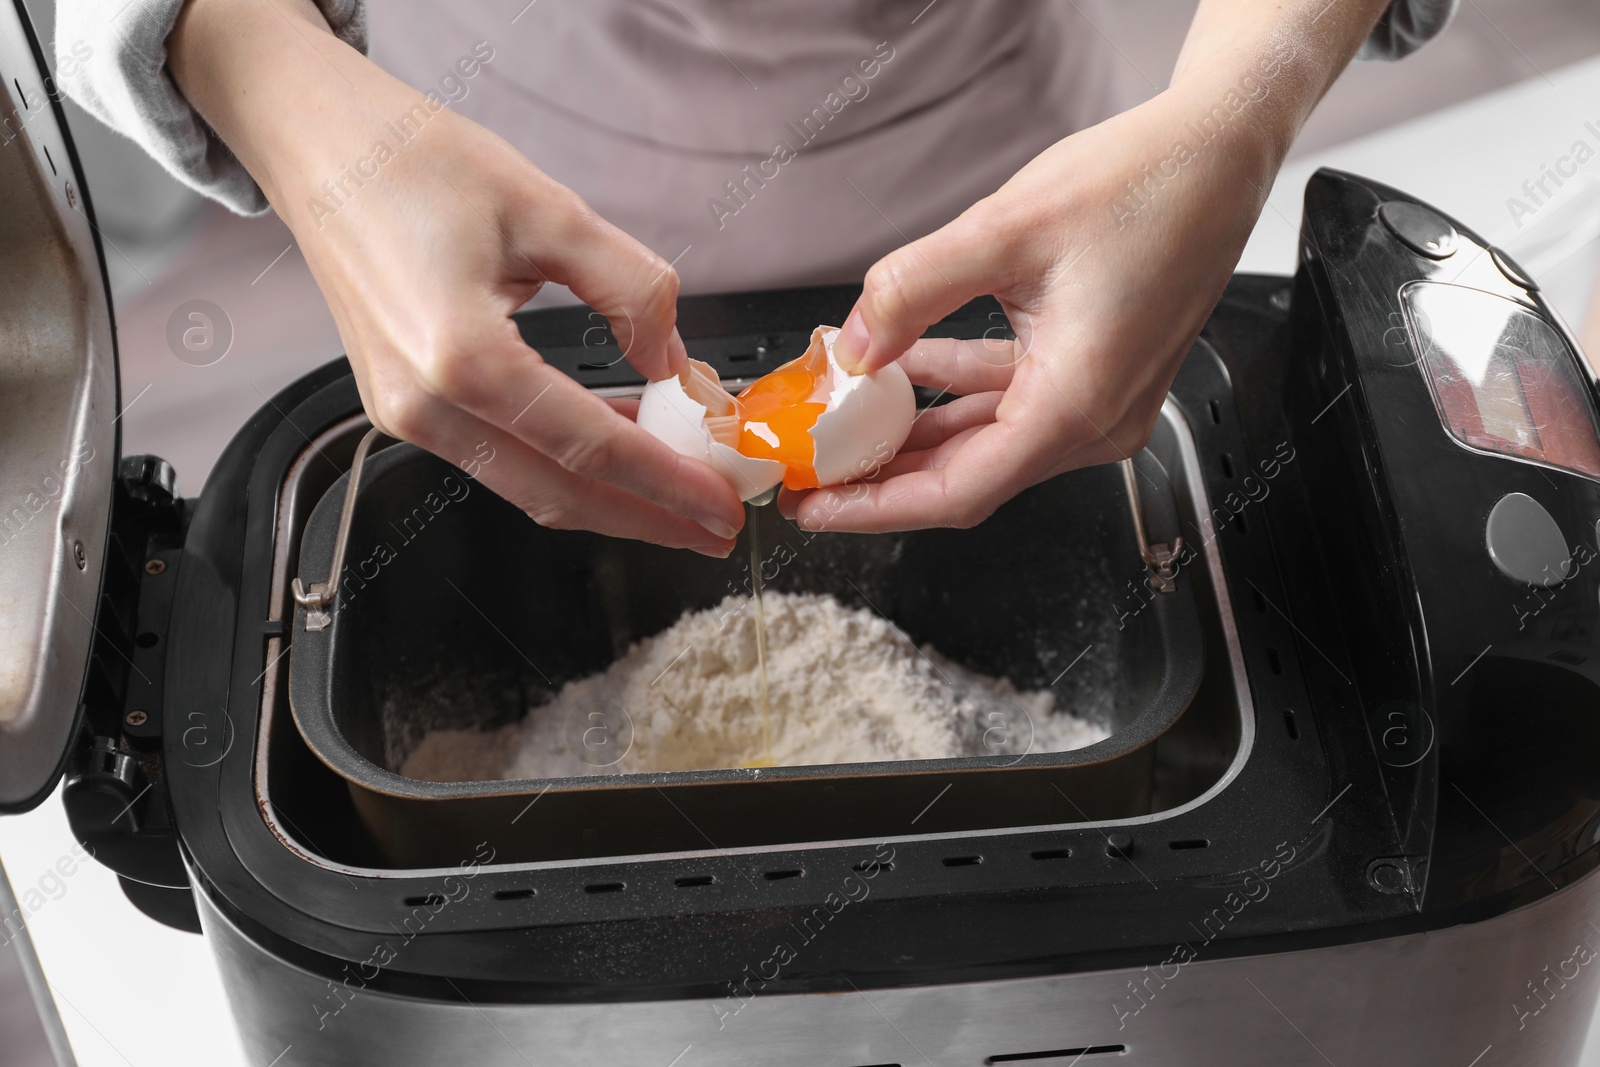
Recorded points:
(779, 405)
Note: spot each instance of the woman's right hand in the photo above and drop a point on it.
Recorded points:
(423, 249)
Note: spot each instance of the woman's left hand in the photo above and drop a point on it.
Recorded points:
(1108, 252)
(1106, 286)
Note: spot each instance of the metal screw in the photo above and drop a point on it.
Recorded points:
(78, 555)
(154, 566)
(136, 718)
(72, 196)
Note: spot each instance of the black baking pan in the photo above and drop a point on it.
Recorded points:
(472, 613)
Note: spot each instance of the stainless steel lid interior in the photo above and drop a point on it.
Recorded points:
(58, 437)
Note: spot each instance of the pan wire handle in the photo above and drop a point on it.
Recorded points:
(319, 601)
(1161, 558)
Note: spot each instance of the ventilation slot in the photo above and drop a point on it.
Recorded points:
(867, 866)
(962, 861)
(1563, 656)
(695, 880)
(1052, 854)
(1227, 465)
(765, 346)
(430, 900)
(1193, 842)
(605, 887)
(1239, 523)
(150, 640)
(782, 876)
(1273, 661)
(1216, 411)
(515, 894)
(1261, 601)
(49, 159)
(1058, 1054)
(1294, 727)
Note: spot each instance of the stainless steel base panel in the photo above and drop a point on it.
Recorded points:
(1517, 989)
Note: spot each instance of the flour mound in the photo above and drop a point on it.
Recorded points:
(845, 685)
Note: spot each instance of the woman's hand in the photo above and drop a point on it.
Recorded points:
(425, 248)
(1105, 297)
(1108, 252)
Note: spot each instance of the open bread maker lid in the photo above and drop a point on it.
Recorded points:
(58, 431)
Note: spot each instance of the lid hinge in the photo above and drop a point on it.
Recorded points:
(115, 789)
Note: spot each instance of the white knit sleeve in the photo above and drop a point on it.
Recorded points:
(1406, 26)
(111, 57)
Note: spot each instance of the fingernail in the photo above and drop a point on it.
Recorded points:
(714, 551)
(720, 527)
(850, 348)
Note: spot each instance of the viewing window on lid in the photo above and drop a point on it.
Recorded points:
(1503, 379)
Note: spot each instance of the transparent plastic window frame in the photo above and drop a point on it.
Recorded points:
(1503, 379)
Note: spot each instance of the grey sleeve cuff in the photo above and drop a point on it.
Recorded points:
(111, 57)
(1406, 26)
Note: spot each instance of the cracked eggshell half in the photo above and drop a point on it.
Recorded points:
(868, 417)
(694, 416)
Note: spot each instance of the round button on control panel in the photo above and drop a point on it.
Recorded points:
(1525, 543)
(1421, 229)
